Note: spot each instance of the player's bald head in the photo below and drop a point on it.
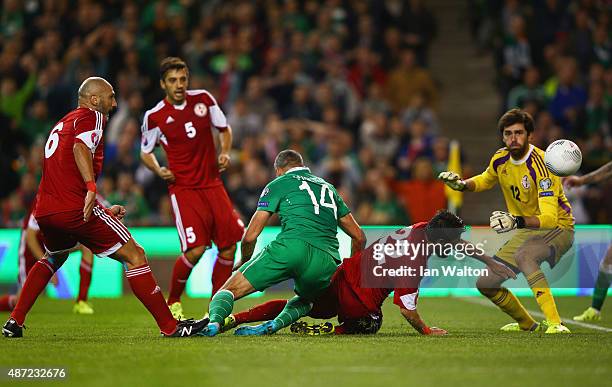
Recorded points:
(94, 86)
(288, 159)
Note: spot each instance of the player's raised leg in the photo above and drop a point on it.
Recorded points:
(145, 288)
(82, 306)
(602, 284)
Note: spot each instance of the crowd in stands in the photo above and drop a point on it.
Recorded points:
(344, 82)
(553, 59)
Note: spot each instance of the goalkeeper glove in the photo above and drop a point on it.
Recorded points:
(503, 222)
(452, 180)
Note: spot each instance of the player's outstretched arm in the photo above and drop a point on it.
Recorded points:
(602, 174)
(150, 161)
(349, 225)
(84, 161)
(256, 225)
(412, 316)
(496, 267)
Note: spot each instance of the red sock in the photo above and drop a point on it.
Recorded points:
(35, 283)
(85, 271)
(263, 312)
(222, 270)
(145, 288)
(180, 274)
(7, 302)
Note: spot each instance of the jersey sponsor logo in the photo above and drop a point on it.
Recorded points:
(264, 192)
(200, 109)
(546, 193)
(546, 183)
(525, 182)
(263, 204)
(169, 120)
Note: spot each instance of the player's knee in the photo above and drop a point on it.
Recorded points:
(228, 252)
(138, 257)
(484, 286)
(57, 260)
(194, 254)
(524, 257)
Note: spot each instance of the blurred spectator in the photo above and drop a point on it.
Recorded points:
(423, 195)
(406, 80)
(528, 91)
(129, 195)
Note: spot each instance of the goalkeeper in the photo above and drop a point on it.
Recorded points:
(537, 208)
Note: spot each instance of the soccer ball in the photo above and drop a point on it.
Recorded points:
(563, 158)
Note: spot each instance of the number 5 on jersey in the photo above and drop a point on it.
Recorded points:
(190, 129)
(322, 203)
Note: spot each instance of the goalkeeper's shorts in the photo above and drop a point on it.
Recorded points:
(555, 243)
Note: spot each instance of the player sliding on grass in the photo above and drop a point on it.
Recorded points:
(68, 213)
(358, 308)
(305, 250)
(604, 278)
(539, 210)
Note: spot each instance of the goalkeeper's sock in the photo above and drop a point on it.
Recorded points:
(180, 274)
(296, 308)
(85, 281)
(7, 302)
(539, 286)
(601, 288)
(263, 312)
(145, 288)
(511, 305)
(35, 283)
(221, 306)
(222, 270)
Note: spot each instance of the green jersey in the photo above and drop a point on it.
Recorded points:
(308, 206)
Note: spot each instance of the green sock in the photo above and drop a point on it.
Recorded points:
(296, 308)
(601, 289)
(221, 306)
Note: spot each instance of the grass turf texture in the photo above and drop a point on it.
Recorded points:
(119, 345)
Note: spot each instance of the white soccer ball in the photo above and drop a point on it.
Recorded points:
(563, 158)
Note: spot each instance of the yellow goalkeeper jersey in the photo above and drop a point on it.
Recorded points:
(529, 188)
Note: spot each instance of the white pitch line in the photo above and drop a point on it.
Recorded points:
(480, 301)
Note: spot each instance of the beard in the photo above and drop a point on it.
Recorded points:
(518, 153)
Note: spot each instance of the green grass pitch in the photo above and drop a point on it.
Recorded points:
(119, 346)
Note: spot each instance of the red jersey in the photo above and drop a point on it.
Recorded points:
(185, 133)
(373, 298)
(62, 187)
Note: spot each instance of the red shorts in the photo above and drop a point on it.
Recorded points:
(205, 215)
(338, 300)
(103, 233)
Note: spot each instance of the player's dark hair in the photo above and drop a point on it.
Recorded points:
(444, 227)
(516, 116)
(288, 158)
(366, 325)
(171, 63)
